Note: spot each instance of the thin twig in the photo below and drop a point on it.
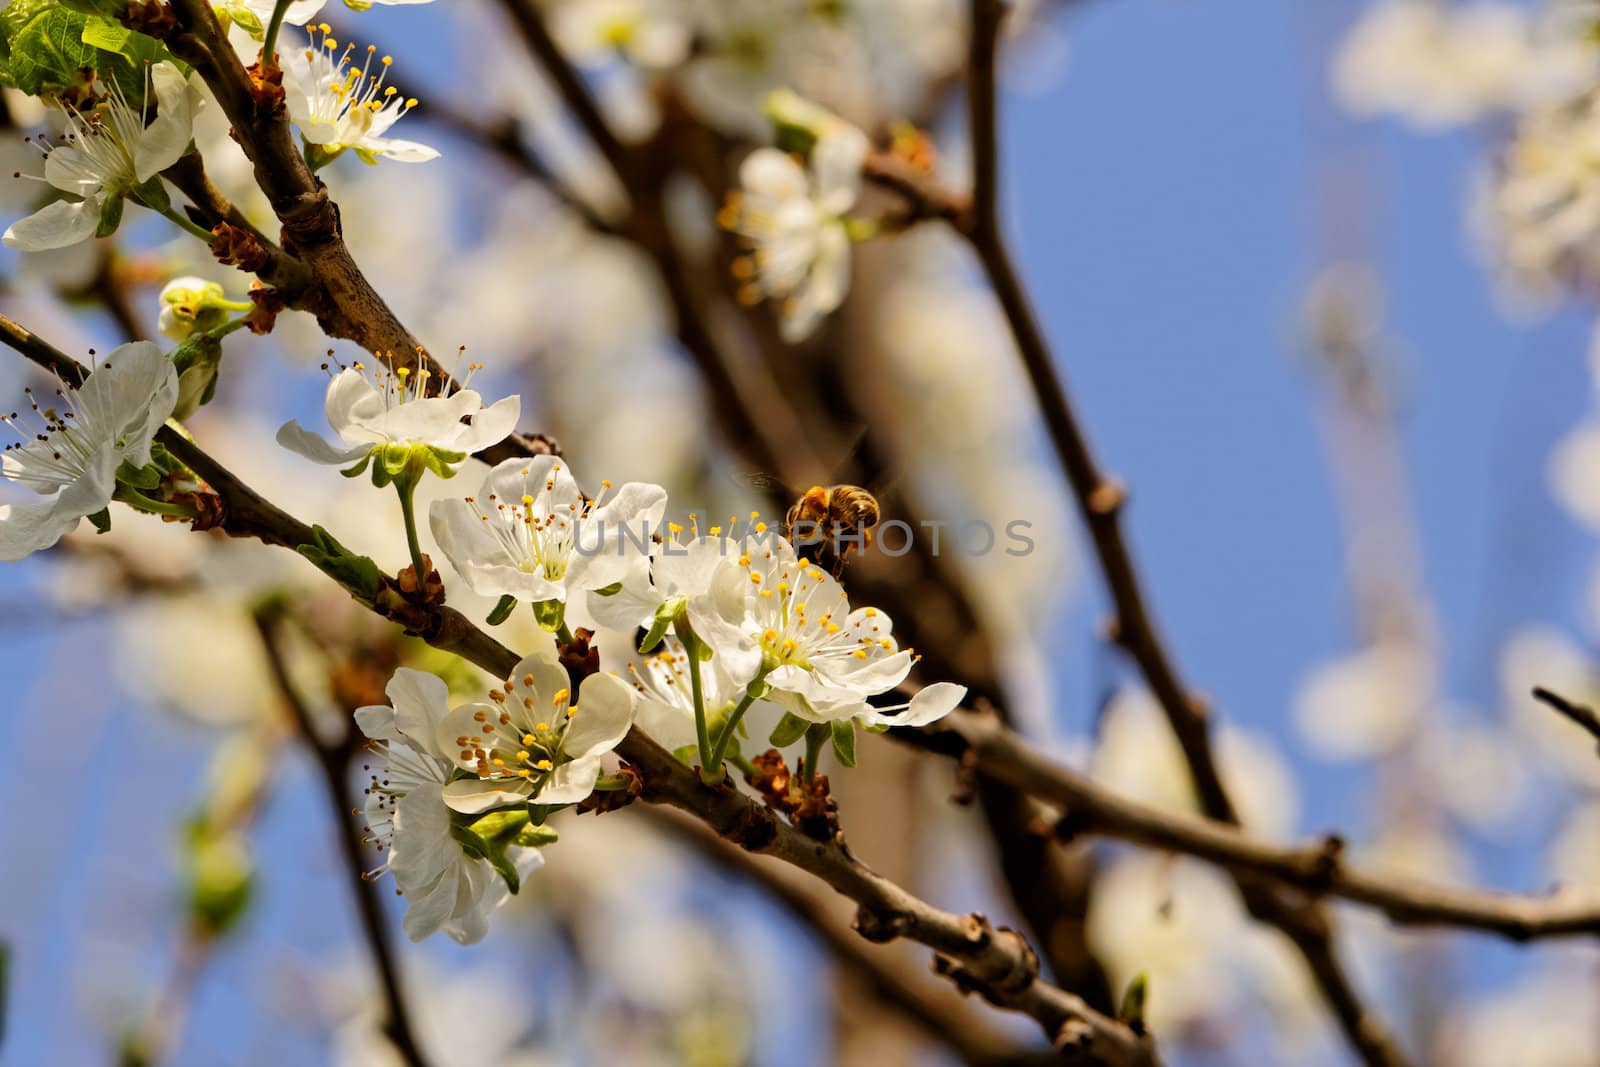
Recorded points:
(1100, 500)
(1581, 714)
(934, 1016)
(333, 762)
(983, 742)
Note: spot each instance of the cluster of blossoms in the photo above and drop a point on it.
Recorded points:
(730, 621)
(733, 619)
(792, 211)
(1532, 70)
(114, 149)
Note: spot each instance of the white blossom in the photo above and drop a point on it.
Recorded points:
(687, 577)
(71, 457)
(105, 154)
(821, 660)
(664, 699)
(529, 533)
(1543, 209)
(1367, 703)
(794, 218)
(339, 106)
(531, 741)
(445, 889)
(373, 408)
(1439, 65)
(652, 34)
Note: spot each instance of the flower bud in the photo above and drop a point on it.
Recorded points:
(191, 303)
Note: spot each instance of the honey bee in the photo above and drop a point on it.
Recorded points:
(831, 520)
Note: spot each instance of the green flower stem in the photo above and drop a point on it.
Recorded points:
(177, 218)
(816, 737)
(745, 766)
(564, 633)
(226, 328)
(139, 502)
(615, 783)
(702, 733)
(269, 44)
(719, 752)
(407, 488)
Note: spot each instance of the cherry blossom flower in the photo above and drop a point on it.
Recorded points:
(530, 741)
(445, 887)
(530, 534)
(820, 660)
(793, 216)
(652, 34)
(376, 408)
(339, 106)
(71, 457)
(106, 155)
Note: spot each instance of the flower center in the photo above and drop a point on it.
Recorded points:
(517, 739)
(538, 531)
(54, 446)
(344, 95)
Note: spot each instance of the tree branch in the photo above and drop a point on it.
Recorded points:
(1100, 501)
(1581, 714)
(333, 762)
(981, 739)
(934, 1016)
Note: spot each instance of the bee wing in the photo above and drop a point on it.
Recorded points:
(765, 484)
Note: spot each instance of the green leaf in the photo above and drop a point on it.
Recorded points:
(665, 616)
(147, 477)
(101, 520)
(609, 590)
(110, 216)
(45, 46)
(104, 34)
(356, 573)
(844, 741)
(502, 610)
(790, 729)
(111, 9)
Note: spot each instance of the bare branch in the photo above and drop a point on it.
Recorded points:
(1581, 714)
(1317, 869)
(334, 764)
(935, 1016)
(1100, 501)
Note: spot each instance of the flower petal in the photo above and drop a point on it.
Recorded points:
(489, 426)
(571, 782)
(603, 715)
(315, 447)
(167, 136)
(421, 701)
(56, 225)
(473, 796)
